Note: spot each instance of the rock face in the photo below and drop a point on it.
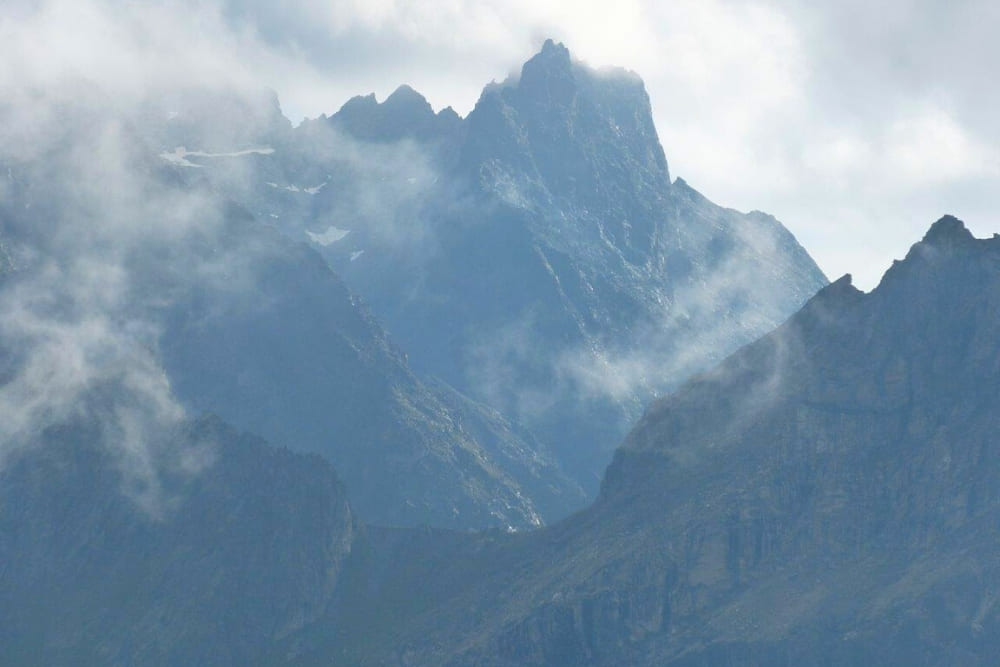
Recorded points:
(297, 359)
(405, 114)
(246, 322)
(564, 279)
(234, 556)
(535, 256)
(828, 495)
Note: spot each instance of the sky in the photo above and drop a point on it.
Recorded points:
(856, 124)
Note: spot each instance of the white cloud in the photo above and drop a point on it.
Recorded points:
(855, 133)
(930, 148)
(857, 125)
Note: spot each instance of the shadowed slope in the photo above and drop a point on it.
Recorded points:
(827, 494)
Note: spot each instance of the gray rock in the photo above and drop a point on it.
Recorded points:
(826, 495)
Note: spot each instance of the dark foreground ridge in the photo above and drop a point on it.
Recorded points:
(828, 494)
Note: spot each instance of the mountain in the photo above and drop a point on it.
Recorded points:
(522, 330)
(287, 352)
(122, 265)
(826, 495)
(405, 114)
(536, 255)
(560, 275)
(241, 550)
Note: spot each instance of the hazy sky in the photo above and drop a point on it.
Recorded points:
(857, 124)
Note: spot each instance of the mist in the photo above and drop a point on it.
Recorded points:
(129, 140)
(85, 207)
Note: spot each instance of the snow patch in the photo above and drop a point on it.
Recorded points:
(329, 237)
(179, 156)
(296, 188)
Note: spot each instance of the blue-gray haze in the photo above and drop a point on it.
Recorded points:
(443, 320)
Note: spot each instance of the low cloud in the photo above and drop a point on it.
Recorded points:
(855, 133)
(700, 322)
(84, 204)
(376, 188)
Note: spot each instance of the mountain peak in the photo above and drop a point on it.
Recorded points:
(948, 240)
(406, 97)
(405, 113)
(948, 231)
(840, 291)
(842, 283)
(548, 75)
(563, 123)
(358, 102)
(556, 51)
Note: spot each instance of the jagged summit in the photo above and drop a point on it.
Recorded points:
(948, 230)
(403, 97)
(554, 70)
(843, 284)
(555, 50)
(515, 253)
(946, 237)
(404, 114)
(565, 200)
(555, 58)
(564, 125)
(828, 494)
(449, 114)
(359, 102)
(839, 295)
(553, 61)
(548, 82)
(404, 100)
(406, 93)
